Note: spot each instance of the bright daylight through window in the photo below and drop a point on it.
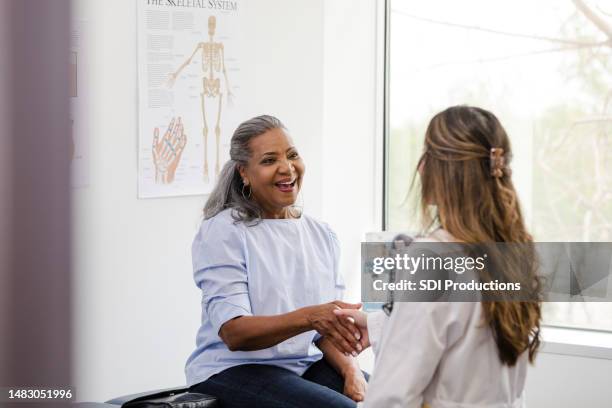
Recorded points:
(545, 69)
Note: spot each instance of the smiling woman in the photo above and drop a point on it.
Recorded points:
(263, 176)
(274, 173)
(269, 280)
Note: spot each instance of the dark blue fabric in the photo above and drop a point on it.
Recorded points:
(258, 385)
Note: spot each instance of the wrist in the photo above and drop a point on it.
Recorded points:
(351, 368)
(302, 317)
(161, 176)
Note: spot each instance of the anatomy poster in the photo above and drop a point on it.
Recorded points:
(189, 93)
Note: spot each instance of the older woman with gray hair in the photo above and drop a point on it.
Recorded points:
(270, 283)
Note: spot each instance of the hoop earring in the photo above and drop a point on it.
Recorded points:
(250, 192)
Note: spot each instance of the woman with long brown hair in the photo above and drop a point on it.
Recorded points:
(460, 354)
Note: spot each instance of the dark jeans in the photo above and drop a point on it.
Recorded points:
(258, 385)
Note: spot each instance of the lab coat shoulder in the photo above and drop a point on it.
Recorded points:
(438, 319)
(445, 322)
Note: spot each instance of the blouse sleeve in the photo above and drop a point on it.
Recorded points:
(413, 341)
(219, 265)
(339, 286)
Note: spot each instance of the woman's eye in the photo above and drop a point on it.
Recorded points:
(293, 155)
(267, 161)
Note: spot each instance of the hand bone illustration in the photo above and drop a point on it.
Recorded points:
(167, 151)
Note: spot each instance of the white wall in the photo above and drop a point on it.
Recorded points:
(350, 189)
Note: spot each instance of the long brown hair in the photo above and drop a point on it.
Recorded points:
(471, 189)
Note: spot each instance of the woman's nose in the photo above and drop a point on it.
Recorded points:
(286, 166)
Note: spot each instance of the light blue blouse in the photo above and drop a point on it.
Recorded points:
(274, 267)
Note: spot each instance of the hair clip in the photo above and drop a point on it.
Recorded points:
(498, 162)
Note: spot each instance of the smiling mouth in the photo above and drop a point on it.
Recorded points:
(287, 186)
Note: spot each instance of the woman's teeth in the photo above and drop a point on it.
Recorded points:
(288, 186)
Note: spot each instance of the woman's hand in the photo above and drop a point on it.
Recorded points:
(359, 319)
(167, 151)
(341, 332)
(355, 385)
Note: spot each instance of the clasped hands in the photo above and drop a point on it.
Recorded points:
(343, 324)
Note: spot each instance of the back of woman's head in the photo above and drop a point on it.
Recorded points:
(473, 204)
(465, 175)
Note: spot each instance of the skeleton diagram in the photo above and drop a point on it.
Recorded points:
(213, 63)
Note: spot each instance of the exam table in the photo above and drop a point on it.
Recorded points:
(170, 397)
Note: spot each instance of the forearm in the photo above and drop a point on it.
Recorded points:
(258, 332)
(180, 69)
(187, 61)
(344, 365)
(249, 333)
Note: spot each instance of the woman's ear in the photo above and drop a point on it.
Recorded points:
(243, 175)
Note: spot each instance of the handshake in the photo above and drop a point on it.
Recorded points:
(343, 324)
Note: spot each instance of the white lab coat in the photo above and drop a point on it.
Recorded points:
(440, 355)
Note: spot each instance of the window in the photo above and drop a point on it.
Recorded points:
(544, 68)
